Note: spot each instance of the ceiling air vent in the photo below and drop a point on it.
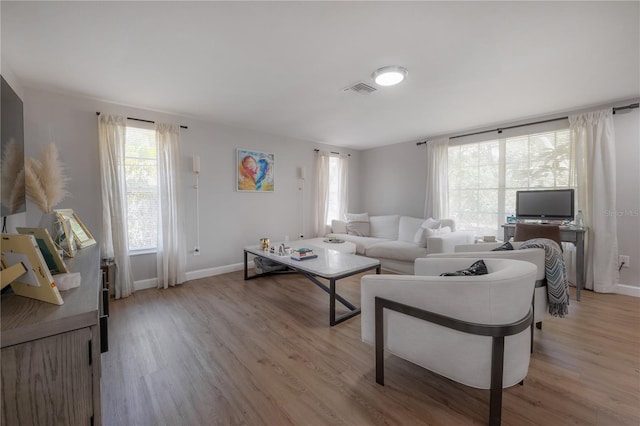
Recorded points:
(361, 88)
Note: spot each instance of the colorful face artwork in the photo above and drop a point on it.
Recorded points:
(255, 171)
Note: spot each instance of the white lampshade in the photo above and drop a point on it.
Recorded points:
(389, 76)
(196, 164)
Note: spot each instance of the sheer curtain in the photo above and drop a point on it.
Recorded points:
(323, 169)
(437, 196)
(342, 196)
(594, 174)
(171, 250)
(115, 244)
(332, 171)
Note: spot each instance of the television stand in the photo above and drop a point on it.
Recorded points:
(569, 234)
(540, 222)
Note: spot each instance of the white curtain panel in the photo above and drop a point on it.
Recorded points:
(171, 250)
(437, 196)
(343, 176)
(322, 192)
(115, 243)
(594, 174)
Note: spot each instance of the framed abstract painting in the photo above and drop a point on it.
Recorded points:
(255, 171)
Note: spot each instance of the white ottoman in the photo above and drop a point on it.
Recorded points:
(345, 247)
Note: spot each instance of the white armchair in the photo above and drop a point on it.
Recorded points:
(533, 255)
(420, 318)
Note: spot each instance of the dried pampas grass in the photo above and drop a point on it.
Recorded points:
(45, 181)
(12, 186)
(17, 198)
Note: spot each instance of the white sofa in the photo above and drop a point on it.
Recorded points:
(391, 240)
(433, 326)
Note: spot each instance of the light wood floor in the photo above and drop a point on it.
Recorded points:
(221, 350)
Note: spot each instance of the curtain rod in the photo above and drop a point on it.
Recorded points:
(630, 106)
(332, 152)
(144, 121)
(500, 129)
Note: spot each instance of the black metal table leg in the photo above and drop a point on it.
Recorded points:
(246, 271)
(331, 289)
(332, 302)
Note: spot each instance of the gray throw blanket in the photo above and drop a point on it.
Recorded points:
(557, 284)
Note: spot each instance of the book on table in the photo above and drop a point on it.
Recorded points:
(303, 254)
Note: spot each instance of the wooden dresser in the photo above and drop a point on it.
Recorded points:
(51, 354)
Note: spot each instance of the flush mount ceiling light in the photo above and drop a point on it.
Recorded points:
(389, 76)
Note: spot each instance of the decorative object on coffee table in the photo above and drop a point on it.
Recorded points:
(334, 240)
(303, 254)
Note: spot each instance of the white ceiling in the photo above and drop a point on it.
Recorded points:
(281, 67)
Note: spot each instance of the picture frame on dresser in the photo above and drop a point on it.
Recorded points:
(48, 248)
(36, 282)
(81, 234)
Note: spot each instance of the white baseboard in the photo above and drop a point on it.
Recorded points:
(628, 290)
(192, 275)
(144, 284)
(210, 272)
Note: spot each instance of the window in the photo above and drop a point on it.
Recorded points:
(141, 174)
(484, 176)
(331, 188)
(333, 208)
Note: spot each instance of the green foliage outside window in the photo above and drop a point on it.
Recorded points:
(484, 177)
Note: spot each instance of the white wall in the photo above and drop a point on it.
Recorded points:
(229, 220)
(393, 181)
(627, 129)
(384, 180)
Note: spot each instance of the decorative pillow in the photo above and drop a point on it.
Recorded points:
(338, 227)
(478, 268)
(358, 224)
(431, 223)
(506, 246)
(424, 232)
(420, 239)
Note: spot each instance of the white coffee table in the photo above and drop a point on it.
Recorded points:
(331, 265)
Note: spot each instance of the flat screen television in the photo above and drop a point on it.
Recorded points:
(554, 204)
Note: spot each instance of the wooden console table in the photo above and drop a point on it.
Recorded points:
(51, 354)
(569, 234)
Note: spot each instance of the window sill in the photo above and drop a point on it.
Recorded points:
(141, 252)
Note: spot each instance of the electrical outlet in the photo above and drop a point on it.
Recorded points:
(624, 259)
(196, 251)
